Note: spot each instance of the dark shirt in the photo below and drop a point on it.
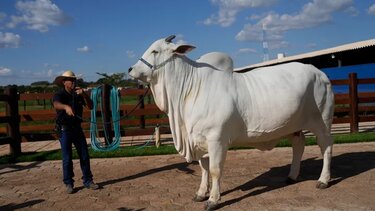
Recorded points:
(75, 101)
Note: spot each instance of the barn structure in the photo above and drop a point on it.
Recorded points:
(356, 53)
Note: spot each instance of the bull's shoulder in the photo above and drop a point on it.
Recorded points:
(217, 60)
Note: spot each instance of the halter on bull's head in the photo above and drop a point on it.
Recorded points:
(156, 56)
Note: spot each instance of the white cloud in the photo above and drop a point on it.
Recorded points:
(180, 39)
(312, 14)
(47, 65)
(38, 15)
(352, 11)
(371, 10)
(5, 71)
(130, 54)
(84, 49)
(9, 40)
(246, 51)
(228, 9)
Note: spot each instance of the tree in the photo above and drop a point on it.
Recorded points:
(40, 83)
(116, 79)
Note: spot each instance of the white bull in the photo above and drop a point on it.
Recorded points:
(211, 108)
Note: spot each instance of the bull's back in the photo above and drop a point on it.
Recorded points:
(275, 101)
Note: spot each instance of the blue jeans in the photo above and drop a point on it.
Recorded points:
(69, 136)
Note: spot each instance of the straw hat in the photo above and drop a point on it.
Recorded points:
(67, 74)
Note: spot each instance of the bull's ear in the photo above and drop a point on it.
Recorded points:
(183, 49)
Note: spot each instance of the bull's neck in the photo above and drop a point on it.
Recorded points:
(174, 83)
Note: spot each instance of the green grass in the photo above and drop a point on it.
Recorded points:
(132, 151)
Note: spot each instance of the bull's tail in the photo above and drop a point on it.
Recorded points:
(325, 101)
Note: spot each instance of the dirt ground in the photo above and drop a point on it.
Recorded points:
(253, 180)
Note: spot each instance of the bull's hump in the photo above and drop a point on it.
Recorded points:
(218, 60)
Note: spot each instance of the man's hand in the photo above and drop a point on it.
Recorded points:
(79, 90)
(60, 106)
(68, 110)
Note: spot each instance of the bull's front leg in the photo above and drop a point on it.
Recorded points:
(217, 153)
(204, 186)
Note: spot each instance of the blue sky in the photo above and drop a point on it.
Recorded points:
(39, 39)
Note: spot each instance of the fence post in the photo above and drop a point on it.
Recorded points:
(13, 128)
(142, 121)
(353, 95)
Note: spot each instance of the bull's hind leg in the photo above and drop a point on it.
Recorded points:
(325, 143)
(298, 144)
(204, 186)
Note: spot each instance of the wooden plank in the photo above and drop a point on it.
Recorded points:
(36, 96)
(4, 97)
(157, 121)
(132, 107)
(129, 122)
(340, 82)
(5, 119)
(37, 115)
(5, 140)
(34, 128)
(342, 109)
(3, 130)
(146, 131)
(341, 120)
(366, 100)
(366, 108)
(366, 94)
(342, 101)
(30, 137)
(134, 92)
(366, 118)
(366, 81)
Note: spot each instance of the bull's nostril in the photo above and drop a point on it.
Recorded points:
(130, 69)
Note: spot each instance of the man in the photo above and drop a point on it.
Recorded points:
(69, 102)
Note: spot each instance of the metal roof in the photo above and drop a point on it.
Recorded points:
(323, 58)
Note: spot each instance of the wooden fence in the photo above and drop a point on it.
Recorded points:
(12, 120)
(354, 107)
(35, 125)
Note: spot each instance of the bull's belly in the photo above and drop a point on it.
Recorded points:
(260, 140)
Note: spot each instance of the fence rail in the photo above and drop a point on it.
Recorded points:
(35, 125)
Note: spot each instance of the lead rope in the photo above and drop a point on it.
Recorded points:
(104, 144)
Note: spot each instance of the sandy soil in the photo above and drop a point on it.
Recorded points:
(253, 180)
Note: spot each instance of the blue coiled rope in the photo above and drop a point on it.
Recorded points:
(105, 145)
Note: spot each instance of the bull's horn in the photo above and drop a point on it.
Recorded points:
(170, 38)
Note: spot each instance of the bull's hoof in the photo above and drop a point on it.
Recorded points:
(209, 205)
(290, 181)
(321, 185)
(199, 198)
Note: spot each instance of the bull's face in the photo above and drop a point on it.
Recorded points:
(155, 57)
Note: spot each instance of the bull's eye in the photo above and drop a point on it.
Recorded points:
(154, 52)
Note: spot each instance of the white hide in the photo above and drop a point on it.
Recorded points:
(255, 108)
(211, 108)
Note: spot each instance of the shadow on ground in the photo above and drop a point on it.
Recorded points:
(343, 167)
(184, 167)
(12, 206)
(15, 167)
